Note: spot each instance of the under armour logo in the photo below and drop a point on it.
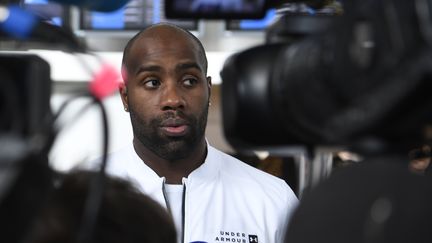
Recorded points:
(253, 239)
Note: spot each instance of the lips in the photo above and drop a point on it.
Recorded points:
(174, 127)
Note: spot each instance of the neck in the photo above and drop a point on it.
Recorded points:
(173, 170)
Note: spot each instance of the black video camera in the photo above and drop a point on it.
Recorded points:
(362, 80)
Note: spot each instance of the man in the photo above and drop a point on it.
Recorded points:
(212, 196)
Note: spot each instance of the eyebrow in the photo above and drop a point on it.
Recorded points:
(179, 67)
(149, 68)
(188, 65)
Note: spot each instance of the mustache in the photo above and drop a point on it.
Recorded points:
(173, 115)
(174, 118)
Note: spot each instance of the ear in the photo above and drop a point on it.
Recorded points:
(124, 95)
(209, 84)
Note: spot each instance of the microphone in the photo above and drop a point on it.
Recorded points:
(96, 5)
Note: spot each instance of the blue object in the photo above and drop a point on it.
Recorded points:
(258, 24)
(19, 23)
(96, 5)
(113, 20)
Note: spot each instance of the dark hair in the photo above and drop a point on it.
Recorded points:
(192, 37)
(125, 215)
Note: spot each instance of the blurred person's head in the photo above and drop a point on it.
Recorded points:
(25, 186)
(367, 202)
(125, 214)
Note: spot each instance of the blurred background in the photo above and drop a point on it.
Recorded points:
(300, 88)
(333, 96)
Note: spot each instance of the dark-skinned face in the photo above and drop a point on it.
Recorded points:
(167, 93)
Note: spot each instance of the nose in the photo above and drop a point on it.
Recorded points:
(172, 98)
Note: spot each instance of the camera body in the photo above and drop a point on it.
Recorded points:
(361, 81)
(25, 175)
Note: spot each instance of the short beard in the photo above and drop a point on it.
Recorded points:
(169, 148)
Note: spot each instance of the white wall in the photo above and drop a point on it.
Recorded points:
(80, 136)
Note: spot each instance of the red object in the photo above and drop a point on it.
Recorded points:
(105, 82)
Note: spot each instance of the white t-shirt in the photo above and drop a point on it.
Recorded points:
(174, 196)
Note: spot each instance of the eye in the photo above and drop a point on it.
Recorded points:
(152, 83)
(190, 82)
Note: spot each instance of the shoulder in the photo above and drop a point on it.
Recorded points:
(117, 161)
(248, 184)
(243, 174)
(235, 167)
(119, 156)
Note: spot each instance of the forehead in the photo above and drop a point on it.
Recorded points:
(158, 44)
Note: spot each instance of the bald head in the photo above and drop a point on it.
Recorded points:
(164, 32)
